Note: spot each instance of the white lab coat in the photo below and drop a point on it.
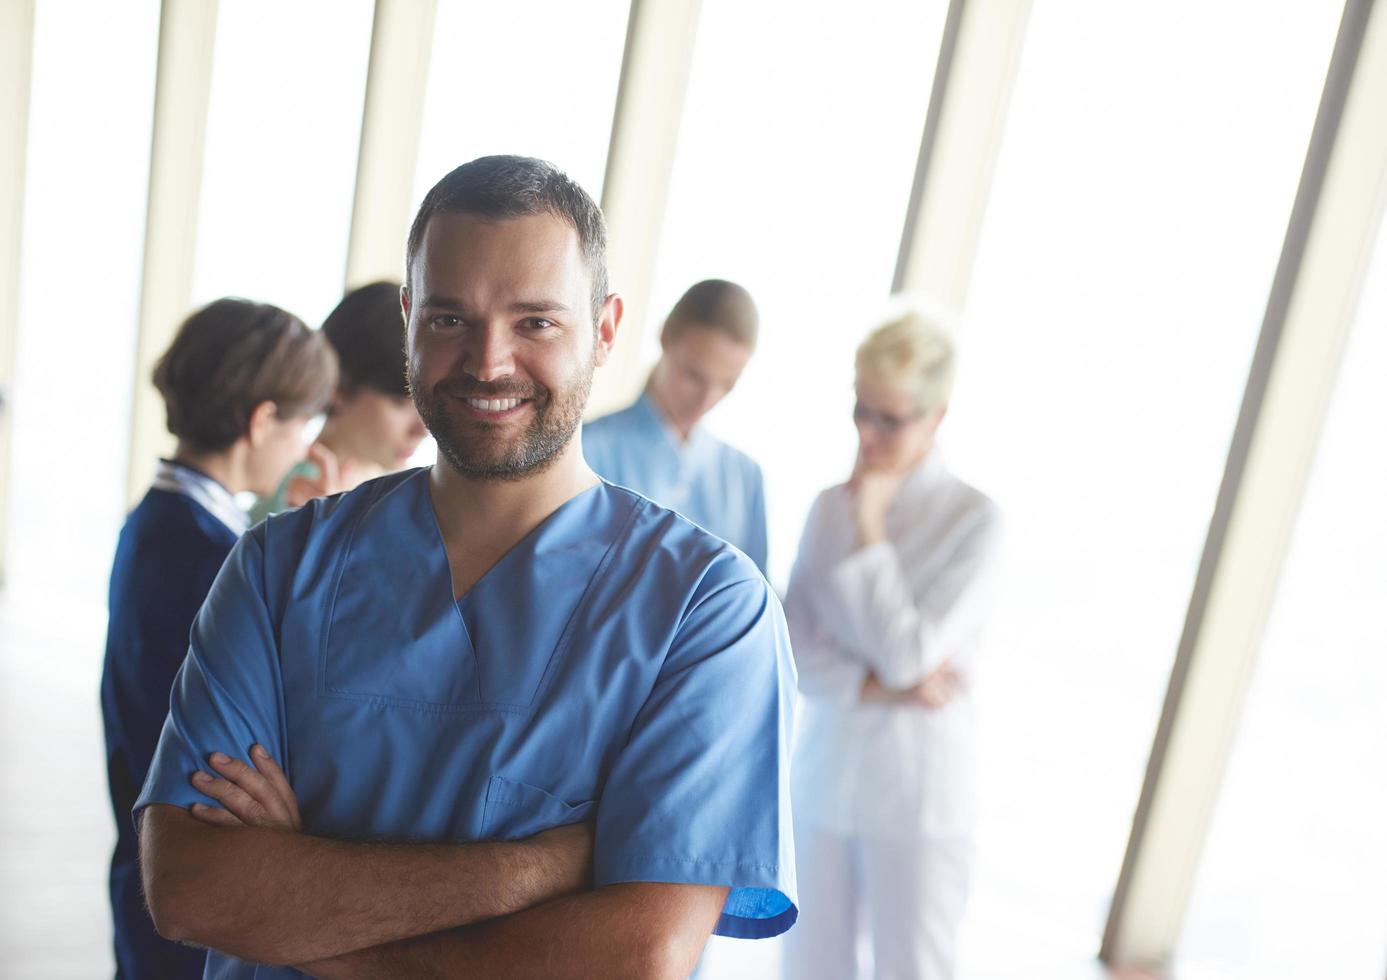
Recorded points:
(880, 786)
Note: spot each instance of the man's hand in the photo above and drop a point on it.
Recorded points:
(258, 796)
(935, 691)
(301, 489)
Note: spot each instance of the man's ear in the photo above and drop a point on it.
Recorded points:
(262, 420)
(607, 325)
(405, 303)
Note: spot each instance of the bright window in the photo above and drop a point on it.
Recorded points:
(86, 180)
(792, 177)
(532, 77)
(1141, 199)
(1294, 877)
(87, 177)
(283, 128)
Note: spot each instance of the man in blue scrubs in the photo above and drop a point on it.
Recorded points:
(459, 667)
(658, 447)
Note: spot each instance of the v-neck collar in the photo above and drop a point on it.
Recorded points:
(396, 623)
(532, 543)
(656, 424)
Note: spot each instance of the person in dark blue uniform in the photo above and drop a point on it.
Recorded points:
(239, 382)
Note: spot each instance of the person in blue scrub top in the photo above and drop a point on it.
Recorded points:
(658, 446)
(239, 382)
(493, 717)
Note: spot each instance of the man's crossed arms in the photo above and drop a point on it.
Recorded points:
(244, 879)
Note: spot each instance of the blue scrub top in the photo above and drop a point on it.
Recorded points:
(712, 484)
(169, 553)
(618, 664)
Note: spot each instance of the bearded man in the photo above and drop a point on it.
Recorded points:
(493, 717)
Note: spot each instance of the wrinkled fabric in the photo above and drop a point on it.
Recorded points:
(170, 550)
(897, 609)
(715, 486)
(618, 665)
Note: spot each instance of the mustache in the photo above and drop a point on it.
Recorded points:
(472, 388)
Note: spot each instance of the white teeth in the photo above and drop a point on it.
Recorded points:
(493, 404)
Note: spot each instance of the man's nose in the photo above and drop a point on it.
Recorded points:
(490, 353)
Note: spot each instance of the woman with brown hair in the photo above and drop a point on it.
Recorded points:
(372, 426)
(239, 383)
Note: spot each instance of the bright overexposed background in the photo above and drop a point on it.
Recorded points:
(1146, 176)
(1292, 883)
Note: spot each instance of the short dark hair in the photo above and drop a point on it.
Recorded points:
(716, 304)
(500, 187)
(231, 356)
(367, 332)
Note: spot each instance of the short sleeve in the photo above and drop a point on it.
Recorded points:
(700, 794)
(228, 695)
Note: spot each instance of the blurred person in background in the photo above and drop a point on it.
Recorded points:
(372, 426)
(886, 604)
(239, 383)
(658, 447)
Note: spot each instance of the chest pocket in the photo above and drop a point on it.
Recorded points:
(516, 810)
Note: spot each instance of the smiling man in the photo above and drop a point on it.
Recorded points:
(558, 713)
(658, 445)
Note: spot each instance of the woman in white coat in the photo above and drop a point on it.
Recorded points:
(885, 606)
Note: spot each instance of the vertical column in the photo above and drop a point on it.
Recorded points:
(655, 68)
(401, 48)
(1309, 314)
(187, 33)
(973, 80)
(16, 64)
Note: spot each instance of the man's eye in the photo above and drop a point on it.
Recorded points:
(540, 323)
(447, 322)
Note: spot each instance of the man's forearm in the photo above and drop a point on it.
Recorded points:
(273, 896)
(631, 930)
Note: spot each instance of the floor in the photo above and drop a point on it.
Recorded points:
(56, 827)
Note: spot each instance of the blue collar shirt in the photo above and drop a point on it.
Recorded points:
(714, 485)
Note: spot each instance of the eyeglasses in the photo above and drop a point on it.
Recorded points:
(887, 425)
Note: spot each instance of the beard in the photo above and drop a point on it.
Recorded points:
(479, 449)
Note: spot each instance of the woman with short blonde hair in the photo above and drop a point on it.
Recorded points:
(913, 352)
(885, 608)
